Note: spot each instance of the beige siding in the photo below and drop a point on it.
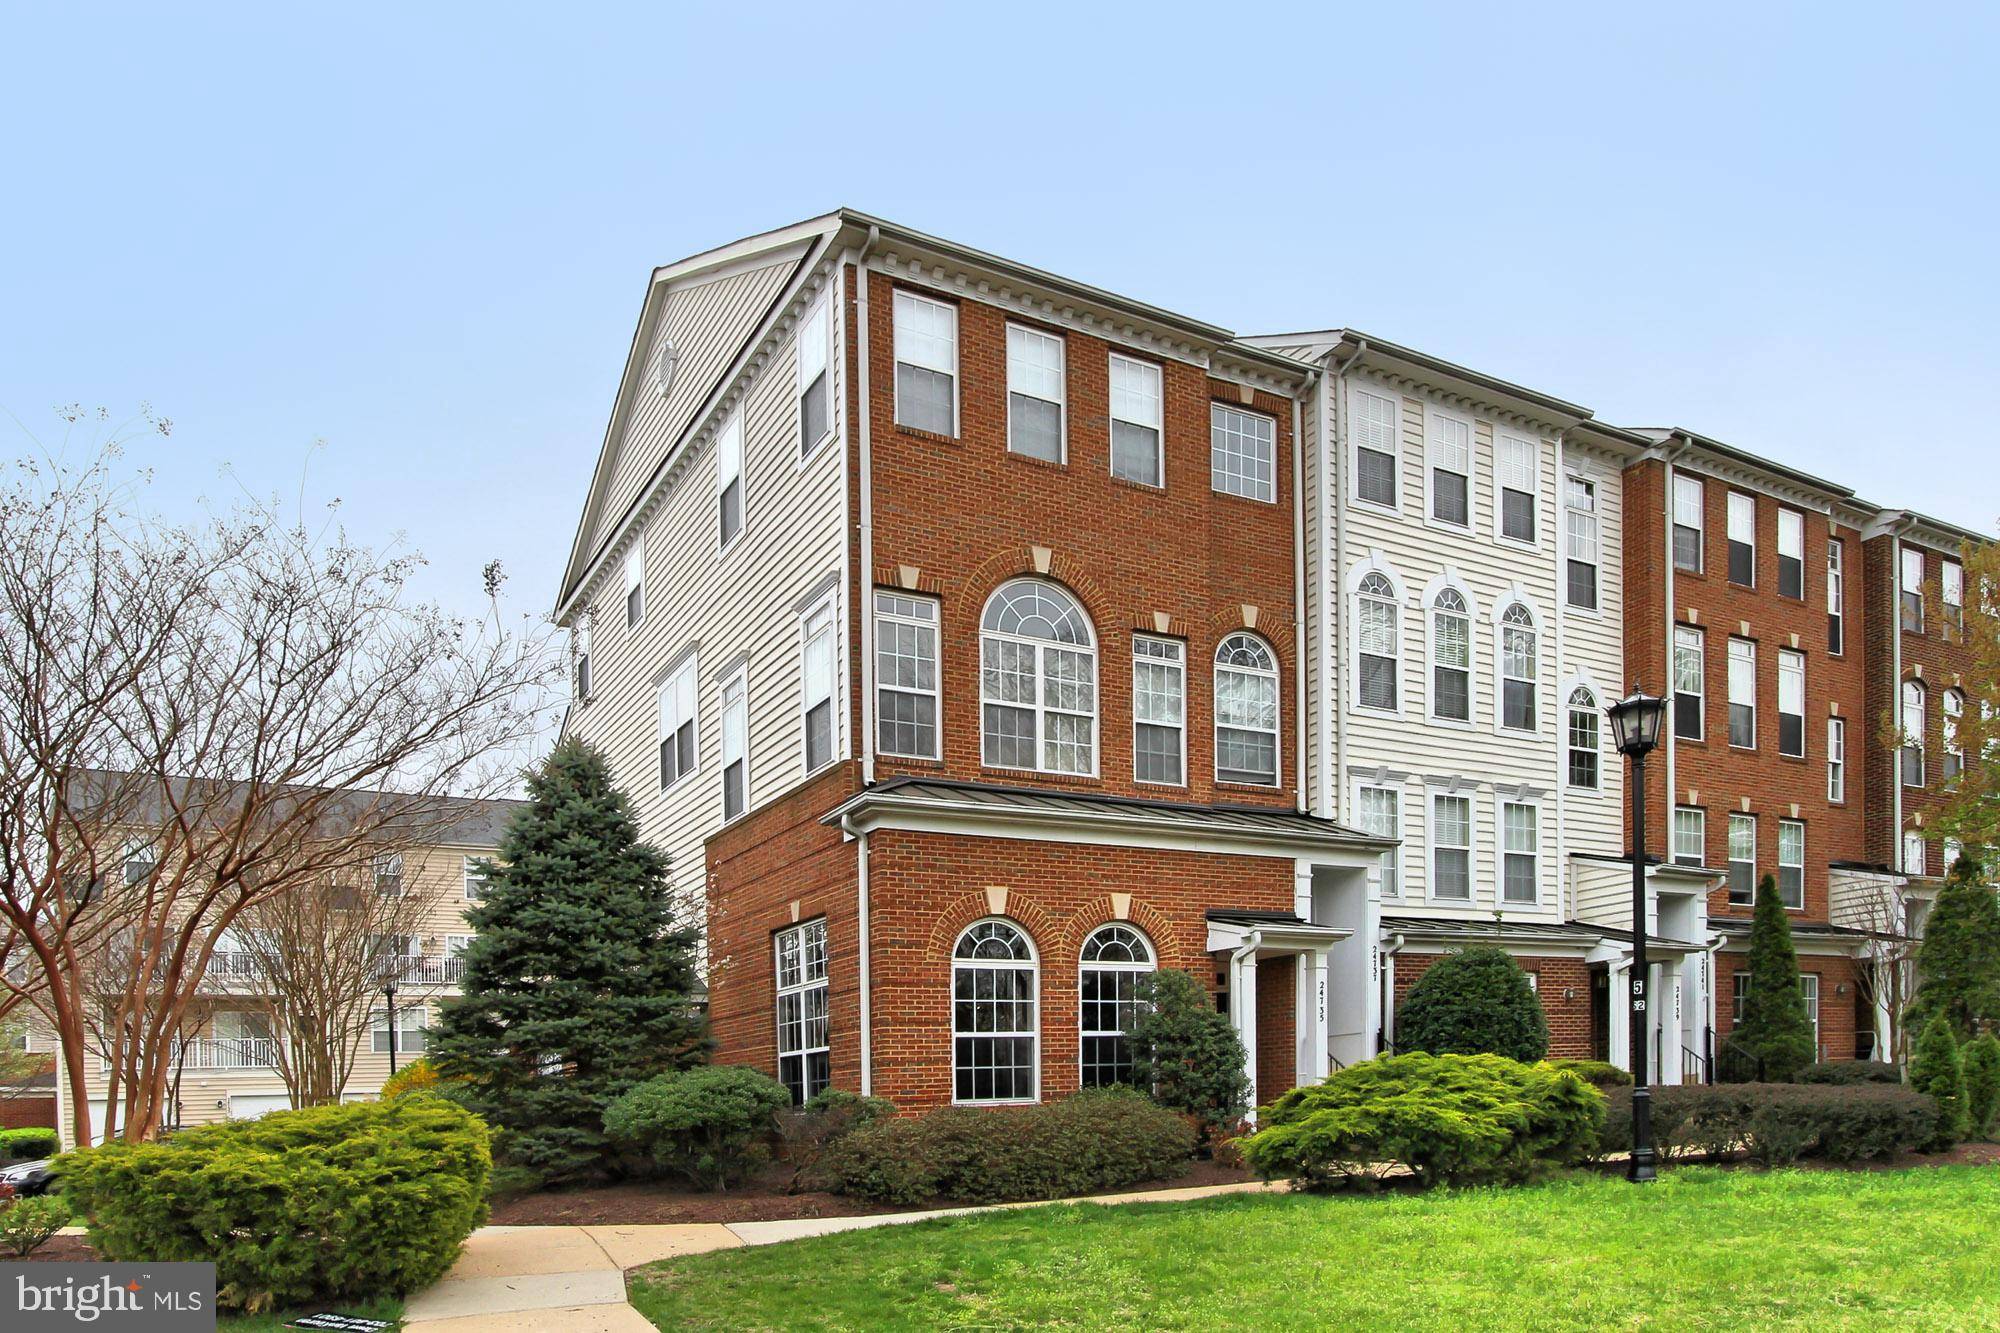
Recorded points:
(739, 607)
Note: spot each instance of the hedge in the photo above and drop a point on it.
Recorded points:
(328, 1203)
(712, 1124)
(1776, 1123)
(1097, 1140)
(1850, 1072)
(1448, 1118)
(29, 1142)
(1600, 1074)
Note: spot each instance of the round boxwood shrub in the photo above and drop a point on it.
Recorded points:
(1102, 1139)
(28, 1142)
(1448, 1118)
(1474, 1002)
(329, 1203)
(712, 1124)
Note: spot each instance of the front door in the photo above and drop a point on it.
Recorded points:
(1600, 1011)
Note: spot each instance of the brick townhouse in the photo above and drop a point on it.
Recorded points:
(976, 641)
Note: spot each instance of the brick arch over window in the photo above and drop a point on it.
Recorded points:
(1018, 562)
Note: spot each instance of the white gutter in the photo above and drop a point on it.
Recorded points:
(865, 584)
(1299, 666)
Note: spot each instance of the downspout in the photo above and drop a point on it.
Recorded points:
(1560, 534)
(1385, 1032)
(1299, 591)
(1335, 662)
(866, 977)
(1895, 618)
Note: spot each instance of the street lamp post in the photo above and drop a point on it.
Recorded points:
(389, 993)
(1635, 723)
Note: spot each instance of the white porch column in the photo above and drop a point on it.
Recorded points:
(1243, 1011)
(1310, 1025)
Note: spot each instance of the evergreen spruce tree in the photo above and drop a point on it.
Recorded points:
(1774, 1040)
(1935, 1070)
(577, 982)
(1958, 963)
(1982, 1084)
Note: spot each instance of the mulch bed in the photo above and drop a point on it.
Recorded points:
(761, 1200)
(56, 1249)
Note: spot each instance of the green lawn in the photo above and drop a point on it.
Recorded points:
(1702, 1248)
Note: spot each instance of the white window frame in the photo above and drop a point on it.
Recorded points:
(1688, 818)
(635, 583)
(1836, 597)
(1796, 521)
(1118, 970)
(1836, 760)
(728, 471)
(1169, 655)
(1737, 820)
(1222, 426)
(471, 876)
(378, 1030)
(1394, 601)
(388, 871)
(1431, 876)
(1795, 828)
(1809, 992)
(1742, 653)
(814, 357)
(1502, 676)
(1741, 513)
(582, 686)
(1467, 611)
(821, 621)
(799, 972)
(1691, 639)
(1275, 731)
(1914, 699)
(1951, 595)
(1503, 853)
(1690, 502)
(1916, 854)
(1910, 583)
(1032, 1034)
(1571, 711)
(1060, 401)
(1792, 683)
(736, 737)
(1436, 458)
(677, 695)
(1366, 431)
(1125, 401)
(1583, 531)
(924, 620)
(907, 300)
(1040, 706)
(1951, 711)
(1390, 875)
(1507, 477)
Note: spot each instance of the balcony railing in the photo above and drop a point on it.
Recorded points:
(229, 1053)
(423, 969)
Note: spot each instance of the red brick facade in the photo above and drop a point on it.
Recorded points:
(1837, 1000)
(1563, 985)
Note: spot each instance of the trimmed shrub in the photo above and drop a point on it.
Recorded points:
(1474, 1002)
(806, 1132)
(1599, 1074)
(1186, 1052)
(331, 1202)
(1776, 1123)
(1449, 1118)
(1982, 1084)
(29, 1142)
(1850, 1072)
(712, 1124)
(27, 1224)
(1102, 1139)
(418, 1076)
(1935, 1071)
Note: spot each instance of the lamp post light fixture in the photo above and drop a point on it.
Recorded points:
(1635, 725)
(389, 993)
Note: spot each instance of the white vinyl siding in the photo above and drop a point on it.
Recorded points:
(1159, 710)
(906, 675)
(1243, 452)
(1742, 694)
(1036, 394)
(926, 364)
(1448, 457)
(1137, 430)
(678, 726)
(1376, 428)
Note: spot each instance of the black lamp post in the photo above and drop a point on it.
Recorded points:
(1635, 723)
(389, 993)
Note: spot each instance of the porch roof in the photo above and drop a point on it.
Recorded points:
(1580, 934)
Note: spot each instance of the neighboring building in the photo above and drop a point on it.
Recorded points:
(976, 641)
(228, 1066)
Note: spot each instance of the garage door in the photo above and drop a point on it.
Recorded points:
(248, 1106)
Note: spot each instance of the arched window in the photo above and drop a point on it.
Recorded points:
(1246, 711)
(993, 1021)
(1519, 651)
(1954, 757)
(1913, 733)
(1583, 739)
(1451, 657)
(1114, 958)
(1037, 680)
(1380, 642)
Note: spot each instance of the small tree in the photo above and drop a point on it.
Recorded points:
(1982, 1084)
(1186, 1052)
(578, 983)
(1936, 1072)
(1475, 1002)
(1774, 1040)
(1958, 962)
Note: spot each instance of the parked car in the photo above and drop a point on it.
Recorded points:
(27, 1178)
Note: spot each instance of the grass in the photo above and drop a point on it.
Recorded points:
(1700, 1249)
(386, 1308)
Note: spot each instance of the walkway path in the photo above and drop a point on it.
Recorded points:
(573, 1278)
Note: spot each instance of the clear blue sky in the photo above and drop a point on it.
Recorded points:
(421, 234)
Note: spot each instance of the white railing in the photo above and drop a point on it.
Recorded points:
(424, 969)
(229, 1053)
(227, 966)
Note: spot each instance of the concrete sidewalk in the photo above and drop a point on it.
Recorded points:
(517, 1279)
